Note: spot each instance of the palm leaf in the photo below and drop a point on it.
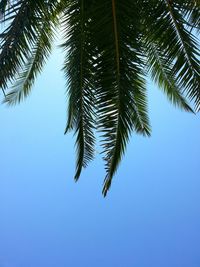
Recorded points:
(191, 13)
(187, 64)
(33, 66)
(161, 72)
(25, 21)
(163, 26)
(119, 81)
(78, 68)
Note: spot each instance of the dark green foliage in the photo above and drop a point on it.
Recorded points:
(78, 68)
(110, 48)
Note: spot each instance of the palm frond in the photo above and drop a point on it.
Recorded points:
(8, 9)
(161, 72)
(78, 68)
(33, 66)
(187, 65)
(119, 81)
(18, 38)
(140, 118)
(109, 46)
(190, 13)
(163, 25)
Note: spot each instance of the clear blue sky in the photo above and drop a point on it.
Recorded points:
(151, 217)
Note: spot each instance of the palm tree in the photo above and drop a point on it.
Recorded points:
(110, 47)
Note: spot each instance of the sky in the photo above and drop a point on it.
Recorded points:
(151, 216)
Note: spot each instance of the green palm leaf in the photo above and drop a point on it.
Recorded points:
(78, 68)
(121, 91)
(163, 26)
(160, 70)
(33, 66)
(19, 36)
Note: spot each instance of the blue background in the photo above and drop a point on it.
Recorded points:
(151, 217)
